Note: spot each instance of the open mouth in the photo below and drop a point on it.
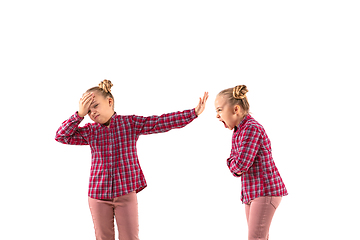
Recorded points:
(224, 124)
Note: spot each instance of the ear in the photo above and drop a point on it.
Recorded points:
(237, 109)
(110, 101)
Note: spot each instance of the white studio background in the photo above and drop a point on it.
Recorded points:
(300, 61)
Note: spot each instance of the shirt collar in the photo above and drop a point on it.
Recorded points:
(242, 122)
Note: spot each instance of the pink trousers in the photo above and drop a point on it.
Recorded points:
(259, 213)
(125, 210)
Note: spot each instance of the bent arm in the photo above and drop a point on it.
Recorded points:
(243, 159)
(70, 133)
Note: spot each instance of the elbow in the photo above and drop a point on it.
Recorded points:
(59, 139)
(237, 170)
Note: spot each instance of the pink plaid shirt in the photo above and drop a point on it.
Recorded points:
(251, 154)
(115, 168)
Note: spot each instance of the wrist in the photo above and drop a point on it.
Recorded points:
(196, 112)
(80, 115)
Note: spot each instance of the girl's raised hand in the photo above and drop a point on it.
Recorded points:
(84, 104)
(201, 106)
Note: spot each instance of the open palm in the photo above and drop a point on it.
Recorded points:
(201, 106)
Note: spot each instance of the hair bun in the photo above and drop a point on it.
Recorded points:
(239, 92)
(106, 85)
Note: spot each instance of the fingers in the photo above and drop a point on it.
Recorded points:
(84, 104)
(201, 106)
(86, 98)
(204, 99)
(88, 95)
(206, 96)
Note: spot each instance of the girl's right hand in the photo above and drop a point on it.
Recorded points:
(84, 104)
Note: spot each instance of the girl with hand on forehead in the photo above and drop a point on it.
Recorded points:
(251, 159)
(116, 176)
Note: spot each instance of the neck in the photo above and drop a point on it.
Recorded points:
(241, 118)
(108, 121)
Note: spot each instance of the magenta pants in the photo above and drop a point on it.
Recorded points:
(124, 209)
(259, 213)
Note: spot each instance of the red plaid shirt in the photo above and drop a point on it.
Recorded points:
(115, 168)
(251, 154)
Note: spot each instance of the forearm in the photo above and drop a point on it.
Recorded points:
(165, 122)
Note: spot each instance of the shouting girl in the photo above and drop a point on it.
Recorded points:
(251, 159)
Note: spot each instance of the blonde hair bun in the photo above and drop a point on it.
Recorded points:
(239, 92)
(106, 86)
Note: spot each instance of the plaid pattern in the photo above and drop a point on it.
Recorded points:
(115, 168)
(251, 154)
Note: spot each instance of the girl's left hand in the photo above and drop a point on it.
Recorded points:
(201, 106)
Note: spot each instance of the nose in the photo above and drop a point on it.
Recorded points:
(92, 112)
(217, 115)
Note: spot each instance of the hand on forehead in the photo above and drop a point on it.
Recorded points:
(88, 93)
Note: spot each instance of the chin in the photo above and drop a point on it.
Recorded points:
(95, 121)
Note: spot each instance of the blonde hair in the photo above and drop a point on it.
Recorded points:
(104, 89)
(237, 96)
